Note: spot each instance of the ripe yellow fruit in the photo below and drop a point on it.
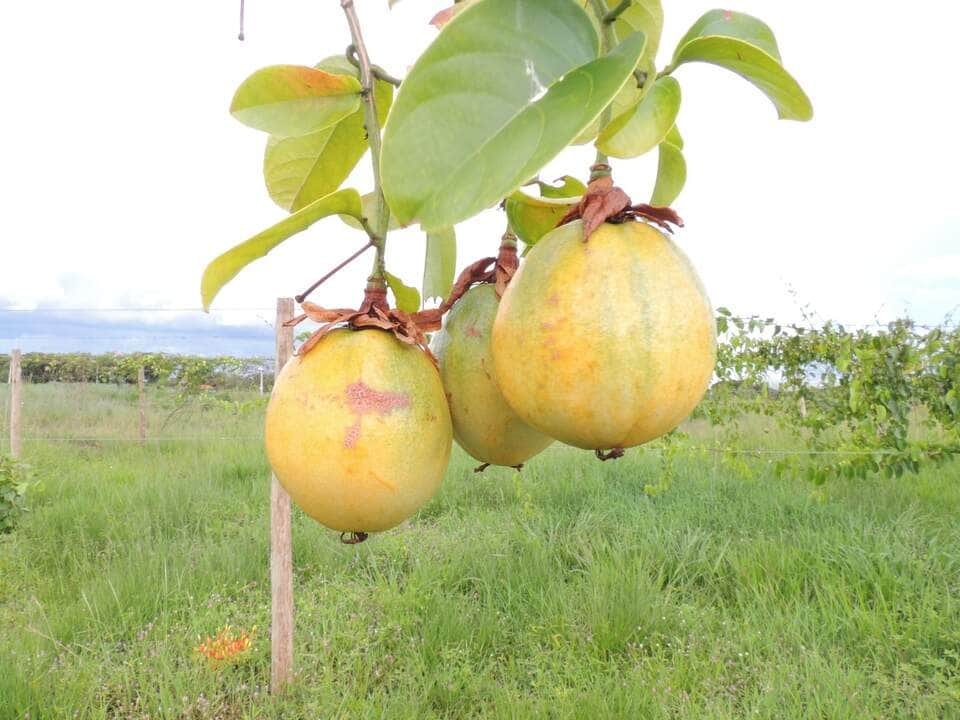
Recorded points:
(483, 423)
(604, 344)
(358, 430)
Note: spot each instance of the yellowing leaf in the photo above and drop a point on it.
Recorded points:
(408, 298)
(225, 267)
(290, 100)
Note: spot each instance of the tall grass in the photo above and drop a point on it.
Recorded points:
(561, 592)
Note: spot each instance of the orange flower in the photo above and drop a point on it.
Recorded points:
(226, 648)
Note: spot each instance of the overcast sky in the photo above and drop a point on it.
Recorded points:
(123, 173)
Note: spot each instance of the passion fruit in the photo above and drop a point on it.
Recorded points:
(483, 423)
(615, 336)
(358, 431)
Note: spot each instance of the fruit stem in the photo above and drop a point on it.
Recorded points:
(378, 230)
(612, 16)
(509, 239)
(607, 40)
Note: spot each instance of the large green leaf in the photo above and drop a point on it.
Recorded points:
(506, 85)
(408, 298)
(440, 263)
(642, 128)
(290, 100)
(746, 46)
(531, 218)
(225, 267)
(298, 170)
(671, 173)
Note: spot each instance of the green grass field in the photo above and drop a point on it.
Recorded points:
(561, 592)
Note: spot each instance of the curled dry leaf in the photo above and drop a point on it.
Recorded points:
(409, 328)
(605, 202)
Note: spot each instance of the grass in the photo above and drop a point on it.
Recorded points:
(564, 592)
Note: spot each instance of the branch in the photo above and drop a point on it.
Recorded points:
(372, 125)
(612, 16)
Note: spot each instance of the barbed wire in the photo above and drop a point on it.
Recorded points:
(755, 452)
(927, 325)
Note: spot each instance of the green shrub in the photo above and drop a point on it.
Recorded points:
(13, 492)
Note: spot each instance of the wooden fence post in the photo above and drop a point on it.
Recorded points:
(281, 551)
(15, 403)
(261, 381)
(142, 401)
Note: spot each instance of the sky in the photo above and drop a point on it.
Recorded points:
(123, 172)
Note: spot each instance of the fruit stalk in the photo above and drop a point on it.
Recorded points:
(378, 230)
(608, 39)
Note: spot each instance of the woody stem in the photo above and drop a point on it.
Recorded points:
(381, 212)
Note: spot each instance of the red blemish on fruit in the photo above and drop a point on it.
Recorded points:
(353, 434)
(553, 299)
(473, 332)
(728, 15)
(364, 400)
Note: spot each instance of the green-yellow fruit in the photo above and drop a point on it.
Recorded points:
(358, 431)
(604, 344)
(483, 423)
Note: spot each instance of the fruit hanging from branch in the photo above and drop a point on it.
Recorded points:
(608, 343)
(602, 344)
(358, 431)
(483, 423)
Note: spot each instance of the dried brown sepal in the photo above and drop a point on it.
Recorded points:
(409, 328)
(506, 267)
(605, 202)
(481, 468)
(354, 538)
(612, 454)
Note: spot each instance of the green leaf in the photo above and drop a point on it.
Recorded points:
(674, 138)
(569, 187)
(746, 46)
(505, 86)
(531, 218)
(644, 16)
(440, 263)
(298, 170)
(644, 127)
(225, 267)
(671, 175)
(408, 298)
(628, 98)
(290, 100)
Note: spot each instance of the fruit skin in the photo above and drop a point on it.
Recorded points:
(483, 423)
(358, 431)
(615, 339)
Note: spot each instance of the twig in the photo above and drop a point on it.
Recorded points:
(601, 167)
(612, 16)
(303, 296)
(378, 72)
(372, 125)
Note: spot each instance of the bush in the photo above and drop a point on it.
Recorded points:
(13, 491)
